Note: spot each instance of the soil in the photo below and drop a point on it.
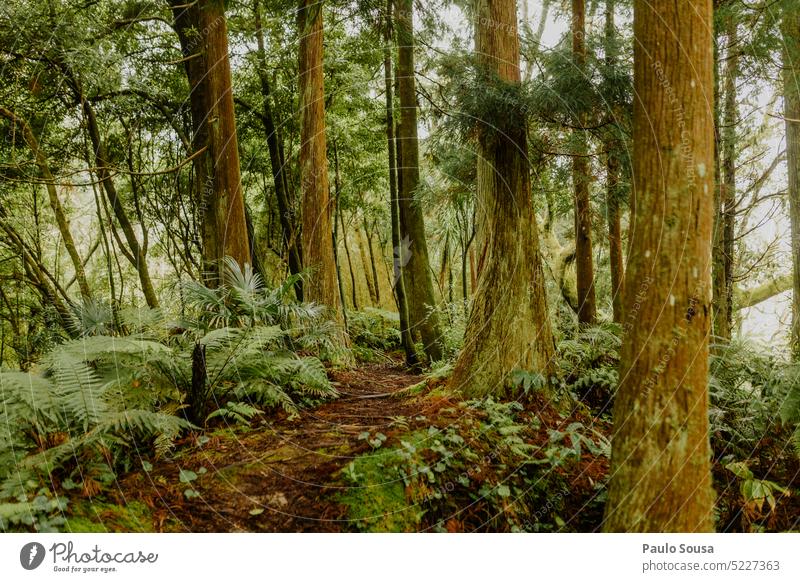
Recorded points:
(281, 477)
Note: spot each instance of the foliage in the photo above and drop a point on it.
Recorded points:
(375, 329)
(589, 364)
(73, 419)
(493, 458)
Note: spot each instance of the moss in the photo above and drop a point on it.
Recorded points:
(377, 499)
(93, 516)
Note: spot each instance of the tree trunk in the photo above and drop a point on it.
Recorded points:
(614, 149)
(421, 302)
(371, 283)
(725, 207)
(61, 218)
(203, 34)
(508, 327)
(791, 100)
(338, 190)
(587, 304)
(374, 268)
(398, 282)
(660, 470)
(288, 220)
(318, 252)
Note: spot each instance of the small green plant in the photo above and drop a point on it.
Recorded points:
(755, 492)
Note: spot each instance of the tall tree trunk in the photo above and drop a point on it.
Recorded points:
(288, 220)
(791, 101)
(337, 183)
(508, 326)
(614, 149)
(398, 281)
(421, 302)
(376, 281)
(371, 283)
(203, 33)
(55, 203)
(318, 250)
(725, 205)
(660, 470)
(587, 304)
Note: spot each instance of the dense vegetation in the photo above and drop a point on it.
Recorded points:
(391, 266)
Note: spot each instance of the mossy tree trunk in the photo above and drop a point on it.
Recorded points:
(660, 469)
(614, 152)
(584, 262)
(508, 326)
(725, 205)
(791, 101)
(419, 285)
(399, 277)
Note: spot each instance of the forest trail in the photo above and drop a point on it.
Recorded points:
(280, 476)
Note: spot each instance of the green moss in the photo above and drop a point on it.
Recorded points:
(378, 499)
(93, 516)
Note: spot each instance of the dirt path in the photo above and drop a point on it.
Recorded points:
(280, 477)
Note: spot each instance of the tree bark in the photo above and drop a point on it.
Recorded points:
(509, 326)
(587, 304)
(362, 252)
(340, 212)
(318, 249)
(725, 207)
(203, 33)
(372, 264)
(421, 301)
(660, 469)
(791, 101)
(614, 149)
(398, 282)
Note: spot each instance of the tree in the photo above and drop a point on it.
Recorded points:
(398, 281)
(508, 326)
(660, 469)
(791, 113)
(725, 191)
(203, 34)
(419, 285)
(318, 256)
(614, 153)
(587, 304)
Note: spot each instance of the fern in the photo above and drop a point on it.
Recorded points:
(240, 412)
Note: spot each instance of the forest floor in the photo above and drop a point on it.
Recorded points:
(282, 475)
(289, 474)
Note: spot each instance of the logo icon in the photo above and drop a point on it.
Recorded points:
(31, 555)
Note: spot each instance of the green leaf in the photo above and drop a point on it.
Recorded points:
(740, 469)
(187, 476)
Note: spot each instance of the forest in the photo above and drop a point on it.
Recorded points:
(398, 266)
